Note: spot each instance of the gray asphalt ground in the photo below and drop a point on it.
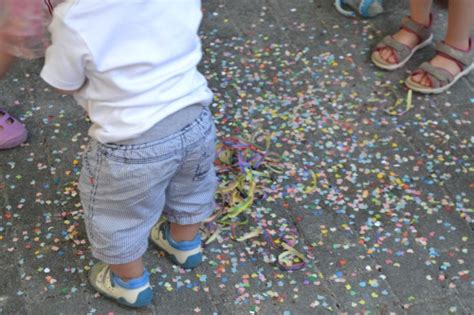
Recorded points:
(386, 228)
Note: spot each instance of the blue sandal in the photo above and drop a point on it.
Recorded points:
(365, 8)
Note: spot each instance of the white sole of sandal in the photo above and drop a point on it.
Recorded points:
(427, 90)
(391, 67)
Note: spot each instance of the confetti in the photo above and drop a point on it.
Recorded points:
(341, 191)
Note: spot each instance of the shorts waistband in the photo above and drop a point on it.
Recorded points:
(168, 126)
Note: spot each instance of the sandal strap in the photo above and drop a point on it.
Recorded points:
(423, 31)
(464, 58)
(439, 76)
(402, 51)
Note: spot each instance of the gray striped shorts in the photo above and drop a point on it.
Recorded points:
(125, 189)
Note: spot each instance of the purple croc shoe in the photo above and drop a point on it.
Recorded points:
(12, 132)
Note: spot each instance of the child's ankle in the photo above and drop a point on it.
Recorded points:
(179, 238)
(132, 283)
(462, 45)
(183, 233)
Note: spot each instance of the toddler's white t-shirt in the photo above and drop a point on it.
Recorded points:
(134, 59)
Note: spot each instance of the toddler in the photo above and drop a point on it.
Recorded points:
(132, 66)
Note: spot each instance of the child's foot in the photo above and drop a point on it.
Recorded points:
(133, 293)
(187, 254)
(402, 36)
(439, 61)
(438, 75)
(12, 132)
(395, 50)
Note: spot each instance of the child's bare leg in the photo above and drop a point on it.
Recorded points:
(131, 270)
(460, 25)
(6, 60)
(181, 233)
(419, 12)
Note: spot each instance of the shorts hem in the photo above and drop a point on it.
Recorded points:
(118, 261)
(191, 219)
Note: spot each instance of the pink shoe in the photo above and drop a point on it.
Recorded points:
(12, 132)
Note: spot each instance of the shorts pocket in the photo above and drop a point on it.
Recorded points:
(207, 157)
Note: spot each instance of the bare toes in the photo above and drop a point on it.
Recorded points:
(425, 81)
(417, 77)
(392, 59)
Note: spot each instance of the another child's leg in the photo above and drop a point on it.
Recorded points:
(6, 60)
(460, 25)
(419, 12)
